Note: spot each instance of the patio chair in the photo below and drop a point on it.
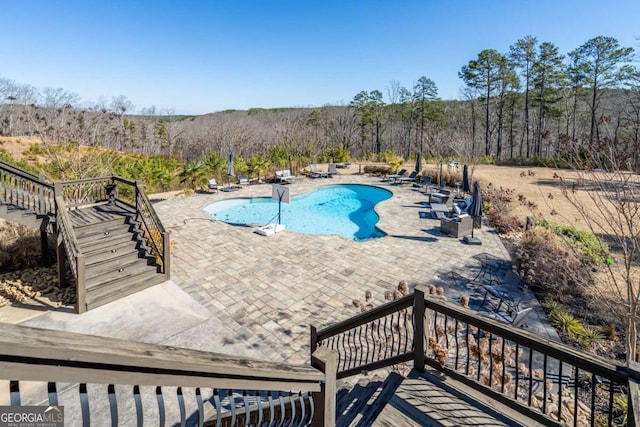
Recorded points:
(213, 185)
(333, 170)
(317, 173)
(400, 174)
(243, 180)
(441, 197)
(285, 176)
(517, 319)
(410, 178)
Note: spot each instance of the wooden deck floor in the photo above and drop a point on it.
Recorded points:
(98, 213)
(422, 399)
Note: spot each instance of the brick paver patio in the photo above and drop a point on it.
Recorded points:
(265, 291)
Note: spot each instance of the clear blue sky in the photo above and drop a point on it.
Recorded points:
(204, 56)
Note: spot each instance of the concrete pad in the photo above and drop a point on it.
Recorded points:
(151, 315)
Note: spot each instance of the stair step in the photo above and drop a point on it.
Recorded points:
(107, 235)
(101, 224)
(116, 251)
(124, 261)
(120, 288)
(83, 234)
(122, 273)
(107, 244)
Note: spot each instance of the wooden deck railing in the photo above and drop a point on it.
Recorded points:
(25, 190)
(127, 193)
(546, 381)
(102, 380)
(380, 337)
(69, 248)
(154, 231)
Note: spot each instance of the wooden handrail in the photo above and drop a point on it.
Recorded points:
(22, 173)
(25, 190)
(366, 317)
(35, 354)
(67, 236)
(587, 361)
(152, 226)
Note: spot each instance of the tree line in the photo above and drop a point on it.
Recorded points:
(526, 105)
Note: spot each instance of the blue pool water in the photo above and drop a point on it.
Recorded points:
(345, 209)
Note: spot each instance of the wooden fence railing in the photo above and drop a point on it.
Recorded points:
(546, 381)
(103, 381)
(68, 243)
(380, 337)
(25, 190)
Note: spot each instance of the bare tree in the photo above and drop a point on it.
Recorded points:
(609, 205)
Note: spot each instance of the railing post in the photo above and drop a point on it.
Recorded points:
(81, 285)
(313, 337)
(61, 258)
(633, 407)
(418, 333)
(326, 361)
(166, 255)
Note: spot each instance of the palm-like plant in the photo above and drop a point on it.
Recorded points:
(257, 164)
(193, 172)
(214, 164)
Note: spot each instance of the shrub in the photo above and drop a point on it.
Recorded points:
(583, 242)
(566, 323)
(548, 267)
(378, 169)
(589, 337)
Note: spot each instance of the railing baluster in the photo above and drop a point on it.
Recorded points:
(271, 409)
(575, 397)
(593, 399)
(14, 391)
(504, 365)
(517, 353)
(232, 406)
(361, 348)
(302, 409)
(161, 410)
(200, 407)
(52, 391)
(282, 409)
(138, 402)
(183, 412)
(113, 404)
(247, 412)
(611, 386)
(490, 359)
(312, 408)
(544, 384)
(84, 404)
(560, 385)
(530, 376)
(292, 402)
(366, 341)
(218, 406)
(260, 408)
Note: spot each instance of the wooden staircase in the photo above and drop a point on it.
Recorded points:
(117, 259)
(114, 245)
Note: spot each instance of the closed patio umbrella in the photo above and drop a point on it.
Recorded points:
(419, 163)
(475, 210)
(230, 171)
(466, 182)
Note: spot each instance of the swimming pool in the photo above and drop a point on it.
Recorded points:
(344, 209)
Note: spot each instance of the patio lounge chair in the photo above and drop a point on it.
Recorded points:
(243, 180)
(285, 176)
(400, 174)
(440, 197)
(410, 178)
(317, 173)
(213, 185)
(517, 319)
(333, 170)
